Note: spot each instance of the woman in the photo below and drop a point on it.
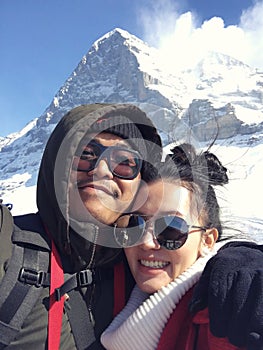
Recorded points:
(178, 224)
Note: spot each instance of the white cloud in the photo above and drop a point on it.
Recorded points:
(251, 23)
(184, 40)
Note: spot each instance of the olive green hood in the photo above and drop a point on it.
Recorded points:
(53, 178)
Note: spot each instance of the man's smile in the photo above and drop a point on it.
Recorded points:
(84, 185)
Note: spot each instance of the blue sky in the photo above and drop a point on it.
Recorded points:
(42, 41)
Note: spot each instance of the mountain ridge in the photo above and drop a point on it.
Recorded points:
(119, 67)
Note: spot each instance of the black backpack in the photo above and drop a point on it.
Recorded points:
(25, 257)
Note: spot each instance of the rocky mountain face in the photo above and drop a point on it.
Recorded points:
(207, 121)
(219, 96)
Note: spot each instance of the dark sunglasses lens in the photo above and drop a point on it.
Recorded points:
(87, 160)
(124, 163)
(171, 232)
(129, 230)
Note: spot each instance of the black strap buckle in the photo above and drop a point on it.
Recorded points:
(84, 278)
(78, 280)
(32, 277)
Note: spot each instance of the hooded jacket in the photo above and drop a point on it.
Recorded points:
(53, 180)
(77, 249)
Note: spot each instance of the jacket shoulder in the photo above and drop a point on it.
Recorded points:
(6, 230)
(30, 230)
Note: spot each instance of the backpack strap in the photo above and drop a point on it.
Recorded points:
(20, 286)
(78, 312)
(27, 275)
(80, 317)
(80, 321)
(78, 280)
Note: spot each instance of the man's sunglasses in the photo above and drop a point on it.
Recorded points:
(171, 232)
(122, 162)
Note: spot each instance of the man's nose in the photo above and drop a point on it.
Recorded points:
(102, 169)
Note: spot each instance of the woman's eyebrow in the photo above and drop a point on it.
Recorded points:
(171, 212)
(137, 212)
(160, 213)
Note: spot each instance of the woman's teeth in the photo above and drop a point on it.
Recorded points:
(154, 264)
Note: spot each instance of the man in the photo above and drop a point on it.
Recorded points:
(90, 172)
(75, 204)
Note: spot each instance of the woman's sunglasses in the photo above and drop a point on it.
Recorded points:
(122, 162)
(171, 232)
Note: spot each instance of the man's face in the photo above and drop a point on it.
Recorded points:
(98, 196)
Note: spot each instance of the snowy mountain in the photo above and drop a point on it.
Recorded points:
(219, 96)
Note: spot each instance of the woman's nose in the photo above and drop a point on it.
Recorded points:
(102, 169)
(149, 239)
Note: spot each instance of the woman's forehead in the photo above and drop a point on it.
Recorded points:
(162, 197)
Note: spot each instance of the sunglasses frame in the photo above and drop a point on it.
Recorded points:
(106, 155)
(169, 244)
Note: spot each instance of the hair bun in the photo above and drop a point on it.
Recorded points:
(217, 173)
(183, 154)
(204, 167)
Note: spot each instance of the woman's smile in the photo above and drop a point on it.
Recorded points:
(154, 264)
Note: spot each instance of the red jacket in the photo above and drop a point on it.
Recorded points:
(183, 331)
(186, 332)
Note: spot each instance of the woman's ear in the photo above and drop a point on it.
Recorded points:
(208, 241)
(210, 237)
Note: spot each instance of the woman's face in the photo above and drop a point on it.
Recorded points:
(152, 266)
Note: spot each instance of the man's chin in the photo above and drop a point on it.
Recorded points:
(96, 199)
(102, 215)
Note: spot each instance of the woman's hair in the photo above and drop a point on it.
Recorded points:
(198, 173)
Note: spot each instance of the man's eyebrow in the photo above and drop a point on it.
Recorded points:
(120, 143)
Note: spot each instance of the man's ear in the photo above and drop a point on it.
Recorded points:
(210, 237)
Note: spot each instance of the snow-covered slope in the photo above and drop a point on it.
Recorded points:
(219, 96)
